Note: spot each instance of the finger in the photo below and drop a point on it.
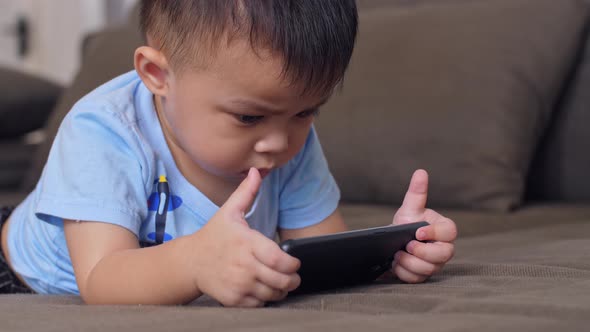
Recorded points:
(434, 252)
(265, 293)
(415, 264)
(407, 276)
(277, 280)
(250, 302)
(443, 230)
(415, 199)
(236, 300)
(270, 254)
(243, 197)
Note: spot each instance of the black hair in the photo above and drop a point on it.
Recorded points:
(315, 38)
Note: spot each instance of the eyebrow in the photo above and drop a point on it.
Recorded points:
(251, 104)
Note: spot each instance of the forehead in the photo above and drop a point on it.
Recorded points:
(239, 69)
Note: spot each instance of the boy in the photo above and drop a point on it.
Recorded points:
(171, 181)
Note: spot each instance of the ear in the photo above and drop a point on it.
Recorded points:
(153, 69)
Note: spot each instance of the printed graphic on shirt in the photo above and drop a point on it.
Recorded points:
(159, 214)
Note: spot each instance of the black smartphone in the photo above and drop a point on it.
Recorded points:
(348, 258)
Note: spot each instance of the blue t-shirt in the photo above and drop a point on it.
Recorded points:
(104, 166)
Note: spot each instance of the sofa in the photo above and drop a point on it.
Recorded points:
(492, 98)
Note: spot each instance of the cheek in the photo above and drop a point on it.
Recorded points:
(210, 144)
(297, 139)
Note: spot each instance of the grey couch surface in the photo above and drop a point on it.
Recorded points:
(490, 97)
(499, 281)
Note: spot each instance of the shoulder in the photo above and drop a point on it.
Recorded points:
(103, 126)
(109, 112)
(114, 100)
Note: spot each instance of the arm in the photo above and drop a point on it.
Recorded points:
(226, 259)
(111, 268)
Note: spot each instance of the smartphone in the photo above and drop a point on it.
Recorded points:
(348, 258)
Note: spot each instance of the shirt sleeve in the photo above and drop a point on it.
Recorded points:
(309, 194)
(95, 172)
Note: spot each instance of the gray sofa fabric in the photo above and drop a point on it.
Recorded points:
(562, 162)
(15, 160)
(24, 97)
(501, 281)
(462, 89)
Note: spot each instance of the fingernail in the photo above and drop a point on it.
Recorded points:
(410, 247)
(421, 235)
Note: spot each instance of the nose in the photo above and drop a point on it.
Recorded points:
(275, 142)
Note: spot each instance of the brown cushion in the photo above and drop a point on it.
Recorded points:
(462, 89)
(506, 281)
(561, 169)
(370, 4)
(25, 102)
(15, 159)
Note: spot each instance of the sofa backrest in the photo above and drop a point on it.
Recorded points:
(463, 88)
(561, 168)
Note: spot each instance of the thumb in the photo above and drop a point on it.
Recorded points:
(241, 199)
(417, 194)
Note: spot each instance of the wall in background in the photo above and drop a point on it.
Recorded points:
(61, 26)
(56, 29)
(117, 10)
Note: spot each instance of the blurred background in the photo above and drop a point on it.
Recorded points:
(510, 75)
(44, 37)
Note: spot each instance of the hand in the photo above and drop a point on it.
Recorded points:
(423, 259)
(239, 266)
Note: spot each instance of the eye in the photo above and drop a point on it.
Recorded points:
(306, 114)
(249, 119)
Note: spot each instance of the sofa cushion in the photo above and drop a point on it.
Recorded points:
(11, 198)
(475, 223)
(508, 281)
(561, 168)
(15, 159)
(25, 103)
(462, 89)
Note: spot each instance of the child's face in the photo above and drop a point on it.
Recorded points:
(236, 114)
